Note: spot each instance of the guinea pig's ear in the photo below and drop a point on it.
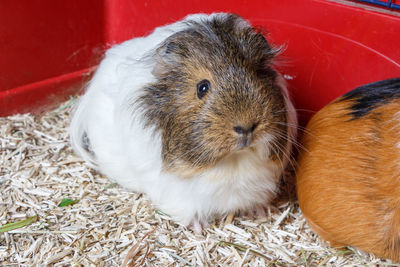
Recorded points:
(260, 41)
(254, 41)
(259, 51)
(167, 56)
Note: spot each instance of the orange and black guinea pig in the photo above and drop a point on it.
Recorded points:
(348, 174)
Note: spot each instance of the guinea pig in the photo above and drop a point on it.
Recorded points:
(348, 174)
(194, 115)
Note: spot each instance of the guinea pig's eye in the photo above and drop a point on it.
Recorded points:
(202, 88)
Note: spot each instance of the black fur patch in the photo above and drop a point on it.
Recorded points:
(370, 96)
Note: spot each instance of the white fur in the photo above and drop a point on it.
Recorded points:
(131, 155)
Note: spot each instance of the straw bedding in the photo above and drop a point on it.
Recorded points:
(110, 226)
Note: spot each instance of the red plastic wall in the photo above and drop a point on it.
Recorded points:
(47, 46)
(46, 49)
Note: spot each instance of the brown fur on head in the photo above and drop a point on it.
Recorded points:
(243, 104)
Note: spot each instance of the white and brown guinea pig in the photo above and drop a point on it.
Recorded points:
(194, 115)
(348, 175)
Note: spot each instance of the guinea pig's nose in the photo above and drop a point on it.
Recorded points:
(245, 130)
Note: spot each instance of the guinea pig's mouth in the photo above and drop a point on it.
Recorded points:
(252, 142)
(244, 141)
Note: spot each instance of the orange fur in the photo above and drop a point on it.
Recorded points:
(348, 177)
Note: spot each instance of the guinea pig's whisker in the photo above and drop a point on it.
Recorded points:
(297, 110)
(294, 141)
(285, 153)
(302, 129)
(276, 149)
(190, 152)
(279, 111)
(202, 157)
(199, 159)
(292, 125)
(291, 161)
(170, 164)
(281, 148)
(306, 110)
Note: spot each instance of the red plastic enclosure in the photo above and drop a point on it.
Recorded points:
(49, 48)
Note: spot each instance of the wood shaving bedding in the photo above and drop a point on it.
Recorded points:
(110, 226)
